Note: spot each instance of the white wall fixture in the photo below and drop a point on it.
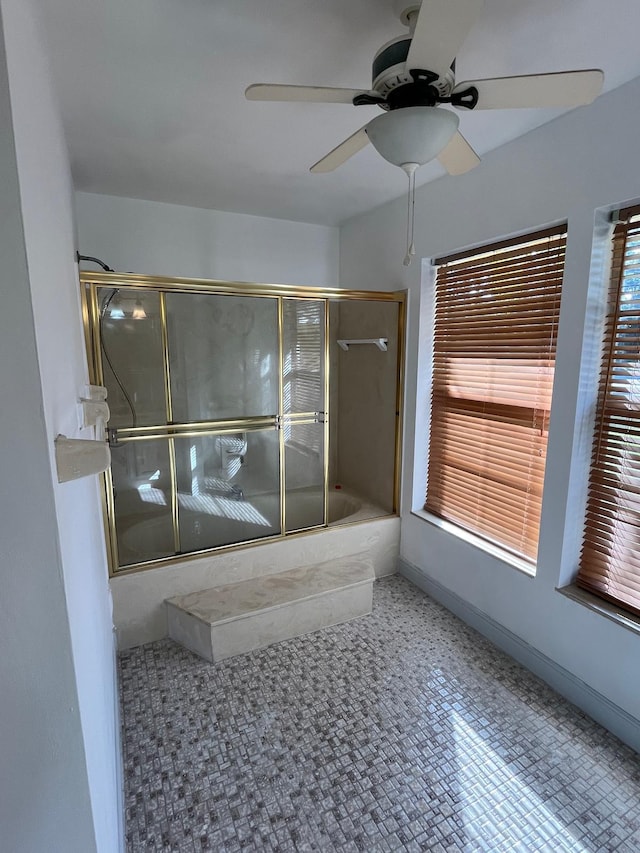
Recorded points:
(381, 343)
(79, 457)
(94, 410)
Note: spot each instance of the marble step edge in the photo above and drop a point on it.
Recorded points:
(272, 607)
(337, 586)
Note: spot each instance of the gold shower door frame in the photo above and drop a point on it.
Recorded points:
(91, 282)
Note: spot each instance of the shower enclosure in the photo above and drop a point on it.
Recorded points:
(226, 401)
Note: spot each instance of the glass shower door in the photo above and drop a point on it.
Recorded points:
(303, 412)
(218, 402)
(228, 486)
(130, 326)
(223, 391)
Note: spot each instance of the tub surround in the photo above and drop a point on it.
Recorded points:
(345, 507)
(366, 401)
(151, 539)
(139, 596)
(236, 618)
(209, 463)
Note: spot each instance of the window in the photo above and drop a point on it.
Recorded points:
(494, 351)
(303, 371)
(610, 561)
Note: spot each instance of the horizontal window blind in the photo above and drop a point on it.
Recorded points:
(494, 352)
(303, 369)
(610, 560)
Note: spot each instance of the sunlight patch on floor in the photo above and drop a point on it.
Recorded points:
(499, 810)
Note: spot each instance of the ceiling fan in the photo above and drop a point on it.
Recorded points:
(414, 76)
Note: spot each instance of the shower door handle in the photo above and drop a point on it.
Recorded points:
(293, 418)
(119, 435)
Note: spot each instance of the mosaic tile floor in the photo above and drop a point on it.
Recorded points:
(404, 730)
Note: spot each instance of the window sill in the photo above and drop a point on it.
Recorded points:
(604, 608)
(496, 551)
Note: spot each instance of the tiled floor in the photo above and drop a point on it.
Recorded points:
(404, 730)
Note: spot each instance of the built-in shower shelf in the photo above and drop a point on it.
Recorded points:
(381, 343)
(229, 620)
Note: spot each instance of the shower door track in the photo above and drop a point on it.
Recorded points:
(91, 282)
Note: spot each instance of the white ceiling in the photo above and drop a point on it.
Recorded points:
(152, 92)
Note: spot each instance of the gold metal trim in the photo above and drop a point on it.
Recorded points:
(238, 288)
(132, 568)
(166, 357)
(111, 533)
(292, 416)
(400, 377)
(96, 377)
(92, 281)
(171, 436)
(304, 421)
(283, 472)
(204, 425)
(175, 520)
(173, 474)
(308, 529)
(303, 418)
(97, 336)
(91, 321)
(236, 425)
(325, 515)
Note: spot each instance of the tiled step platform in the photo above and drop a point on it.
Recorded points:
(236, 618)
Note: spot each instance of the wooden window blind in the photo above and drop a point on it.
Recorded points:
(494, 352)
(610, 560)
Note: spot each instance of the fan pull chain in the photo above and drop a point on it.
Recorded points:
(410, 169)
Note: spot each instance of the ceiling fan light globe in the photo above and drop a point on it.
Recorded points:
(412, 134)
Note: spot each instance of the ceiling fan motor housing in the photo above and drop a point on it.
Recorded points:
(406, 10)
(389, 73)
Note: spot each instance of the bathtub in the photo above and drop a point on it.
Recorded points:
(304, 507)
(228, 521)
(346, 507)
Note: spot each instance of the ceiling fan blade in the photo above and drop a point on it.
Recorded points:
(440, 30)
(308, 94)
(458, 156)
(342, 152)
(560, 89)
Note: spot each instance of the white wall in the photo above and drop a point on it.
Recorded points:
(166, 239)
(76, 651)
(565, 170)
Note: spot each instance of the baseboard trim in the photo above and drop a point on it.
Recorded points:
(593, 703)
(122, 828)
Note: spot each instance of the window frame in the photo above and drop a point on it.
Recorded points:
(626, 225)
(555, 236)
